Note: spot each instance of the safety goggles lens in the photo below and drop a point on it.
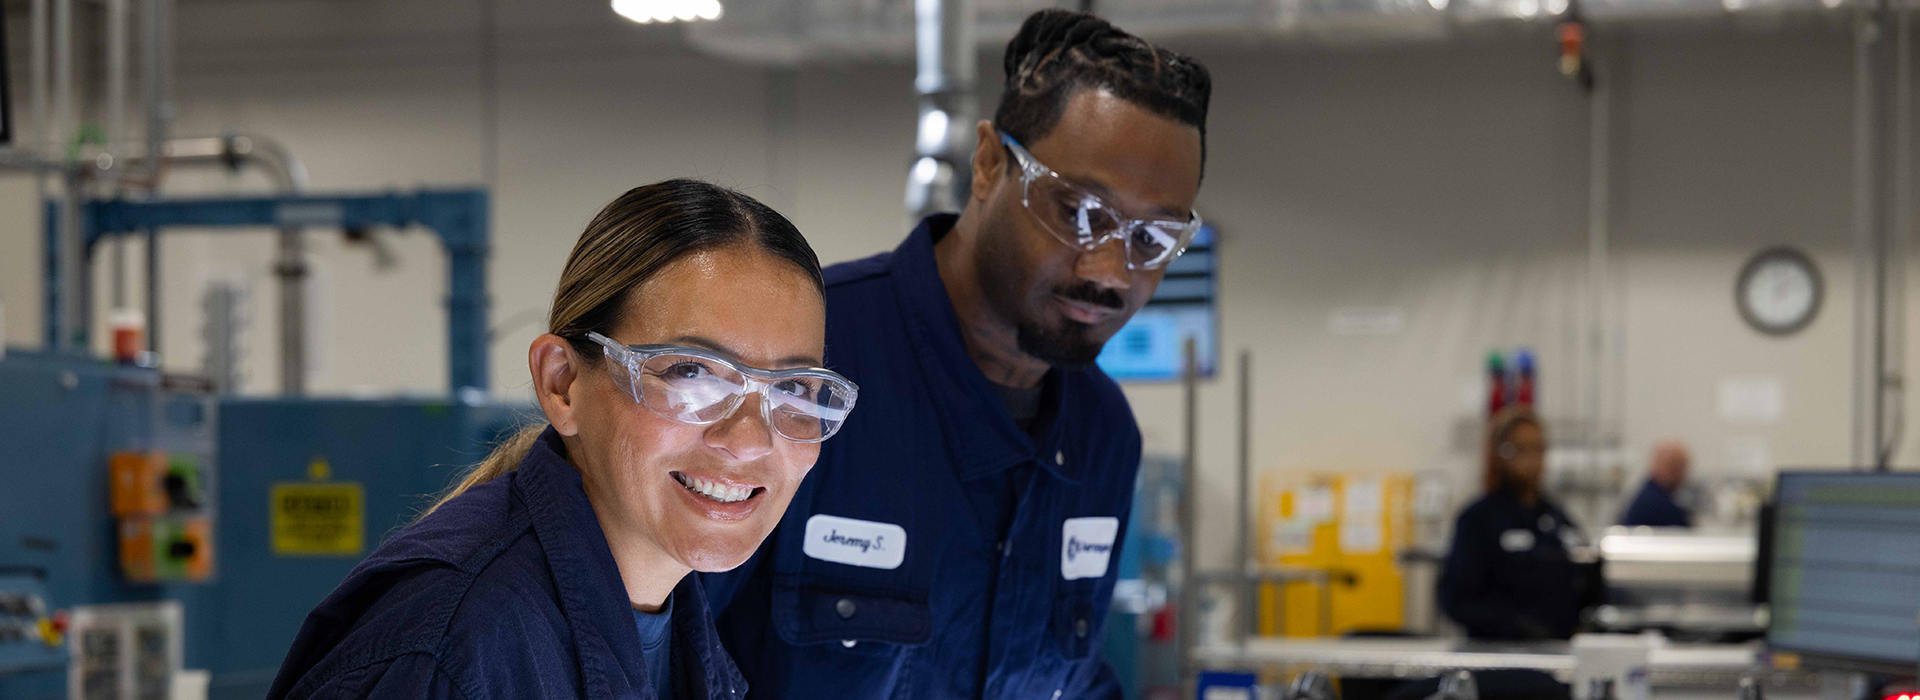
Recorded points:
(700, 390)
(1082, 220)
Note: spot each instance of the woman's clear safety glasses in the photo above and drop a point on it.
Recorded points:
(700, 387)
(1084, 221)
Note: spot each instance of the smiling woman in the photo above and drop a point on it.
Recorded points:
(684, 405)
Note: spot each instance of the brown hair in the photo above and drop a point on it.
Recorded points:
(632, 239)
(1499, 427)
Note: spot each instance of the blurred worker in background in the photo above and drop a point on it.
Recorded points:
(962, 539)
(1658, 503)
(683, 407)
(1519, 568)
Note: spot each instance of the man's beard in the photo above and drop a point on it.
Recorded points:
(1071, 345)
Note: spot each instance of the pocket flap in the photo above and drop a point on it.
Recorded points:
(814, 613)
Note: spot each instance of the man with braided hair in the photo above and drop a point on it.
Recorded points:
(960, 538)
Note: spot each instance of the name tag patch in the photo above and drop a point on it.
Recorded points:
(1516, 540)
(1086, 546)
(855, 542)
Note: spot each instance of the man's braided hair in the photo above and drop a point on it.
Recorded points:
(1059, 53)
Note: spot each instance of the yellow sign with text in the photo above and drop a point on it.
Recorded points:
(326, 519)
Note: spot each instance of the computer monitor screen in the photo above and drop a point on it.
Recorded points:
(1845, 577)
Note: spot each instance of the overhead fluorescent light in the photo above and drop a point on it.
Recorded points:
(650, 11)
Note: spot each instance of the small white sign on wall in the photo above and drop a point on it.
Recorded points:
(1753, 399)
(1367, 320)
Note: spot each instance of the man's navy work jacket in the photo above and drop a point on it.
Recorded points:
(1655, 506)
(508, 591)
(936, 550)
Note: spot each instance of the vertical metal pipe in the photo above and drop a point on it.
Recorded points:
(153, 290)
(1188, 613)
(1599, 203)
(944, 52)
(1242, 519)
(1864, 372)
(118, 17)
(1899, 183)
(117, 63)
(38, 21)
(156, 71)
(1875, 69)
(71, 253)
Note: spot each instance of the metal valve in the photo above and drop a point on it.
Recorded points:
(1312, 685)
(1458, 685)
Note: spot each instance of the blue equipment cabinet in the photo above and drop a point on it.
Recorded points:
(400, 452)
(60, 418)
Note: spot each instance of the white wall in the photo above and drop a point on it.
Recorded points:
(1445, 180)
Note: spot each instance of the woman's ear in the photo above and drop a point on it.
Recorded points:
(554, 367)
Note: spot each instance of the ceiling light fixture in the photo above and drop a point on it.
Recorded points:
(650, 11)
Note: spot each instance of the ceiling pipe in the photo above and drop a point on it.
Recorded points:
(944, 49)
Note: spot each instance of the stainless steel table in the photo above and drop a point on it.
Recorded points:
(1673, 666)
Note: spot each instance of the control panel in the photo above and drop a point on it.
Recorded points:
(32, 633)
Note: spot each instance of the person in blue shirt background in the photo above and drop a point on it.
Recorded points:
(1519, 568)
(1658, 503)
(960, 540)
(683, 408)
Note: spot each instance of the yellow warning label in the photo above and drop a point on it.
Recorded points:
(327, 519)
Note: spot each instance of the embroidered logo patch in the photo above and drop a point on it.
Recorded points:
(855, 542)
(1086, 545)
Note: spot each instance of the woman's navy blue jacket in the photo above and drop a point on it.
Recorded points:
(508, 591)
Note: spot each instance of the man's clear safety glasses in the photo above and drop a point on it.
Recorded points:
(1082, 220)
(699, 387)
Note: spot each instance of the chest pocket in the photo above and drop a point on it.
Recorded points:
(819, 612)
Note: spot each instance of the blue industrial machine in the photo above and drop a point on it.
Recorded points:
(396, 453)
(458, 217)
(299, 490)
(62, 418)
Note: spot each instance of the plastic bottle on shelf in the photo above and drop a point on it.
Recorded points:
(1523, 364)
(1496, 382)
(129, 329)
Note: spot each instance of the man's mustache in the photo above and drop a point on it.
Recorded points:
(1091, 293)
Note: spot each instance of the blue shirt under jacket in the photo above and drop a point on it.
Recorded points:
(938, 550)
(508, 591)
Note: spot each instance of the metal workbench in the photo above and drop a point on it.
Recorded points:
(1675, 666)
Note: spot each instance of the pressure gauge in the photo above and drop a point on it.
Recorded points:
(1779, 291)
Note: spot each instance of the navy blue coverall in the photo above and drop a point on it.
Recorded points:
(938, 550)
(1510, 573)
(508, 591)
(1655, 506)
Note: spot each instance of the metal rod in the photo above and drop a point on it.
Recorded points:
(1188, 613)
(1599, 201)
(70, 331)
(1899, 190)
(1875, 69)
(153, 290)
(1242, 520)
(117, 64)
(156, 75)
(38, 22)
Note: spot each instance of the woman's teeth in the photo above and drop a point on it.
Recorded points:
(713, 491)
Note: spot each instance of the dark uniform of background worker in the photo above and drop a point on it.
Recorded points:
(1658, 502)
(960, 539)
(1519, 568)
